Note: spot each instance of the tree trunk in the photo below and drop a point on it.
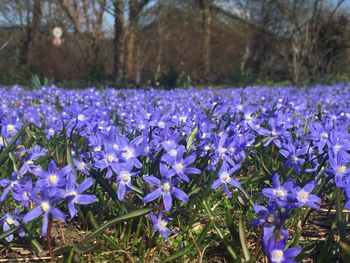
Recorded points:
(160, 30)
(206, 37)
(118, 39)
(32, 30)
(131, 40)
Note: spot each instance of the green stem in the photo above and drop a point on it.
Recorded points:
(243, 239)
(229, 248)
(339, 215)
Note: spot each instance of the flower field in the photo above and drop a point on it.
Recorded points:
(253, 174)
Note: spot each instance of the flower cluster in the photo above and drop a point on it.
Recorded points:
(160, 149)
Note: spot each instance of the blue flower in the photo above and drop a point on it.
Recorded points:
(279, 254)
(304, 196)
(9, 185)
(225, 178)
(180, 165)
(74, 195)
(9, 220)
(53, 177)
(292, 153)
(165, 188)
(160, 225)
(45, 207)
(124, 176)
(281, 194)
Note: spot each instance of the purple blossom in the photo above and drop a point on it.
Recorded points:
(74, 195)
(165, 188)
(45, 207)
(224, 178)
(160, 225)
(279, 254)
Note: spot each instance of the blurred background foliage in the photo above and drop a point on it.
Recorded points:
(168, 43)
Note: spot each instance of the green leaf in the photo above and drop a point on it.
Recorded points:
(339, 215)
(9, 232)
(191, 138)
(191, 245)
(115, 221)
(70, 159)
(243, 239)
(11, 146)
(221, 234)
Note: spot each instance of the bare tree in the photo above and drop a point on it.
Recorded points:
(135, 8)
(86, 17)
(205, 7)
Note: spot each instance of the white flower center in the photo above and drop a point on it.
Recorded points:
(25, 196)
(29, 162)
(294, 158)
(53, 179)
(337, 147)
(161, 124)
(303, 196)
(248, 117)
(125, 176)
(277, 255)
(178, 167)
(82, 166)
(115, 146)
(10, 127)
(9, 220)
(222, 150)
(324, 135)
(72, 193)
(341, 169)
(166, 187)
(162, 225)
(51, 131)
(173, 152)
(97, 149)
(280, 192)
(45, 206)
(81, 117)
(128, 154)
(273, 134)
(110, 158)
(183, 118)
(224, 176)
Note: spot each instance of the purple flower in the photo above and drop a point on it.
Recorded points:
(53, 177)
(279, 254)
(124, 176)
(180, 165)
(225, 178)
(46, 207)
(338, 168)
(275, 133)
(74, 195)
(9, 220)
(9, 184)
(270, 218)
(165, 188)
(33, 154)
(160, 225)
(320, 134)
(107, 159)
(292, 153)
(21, 192)
(81, 165)
(304, 196)
(279, 193)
